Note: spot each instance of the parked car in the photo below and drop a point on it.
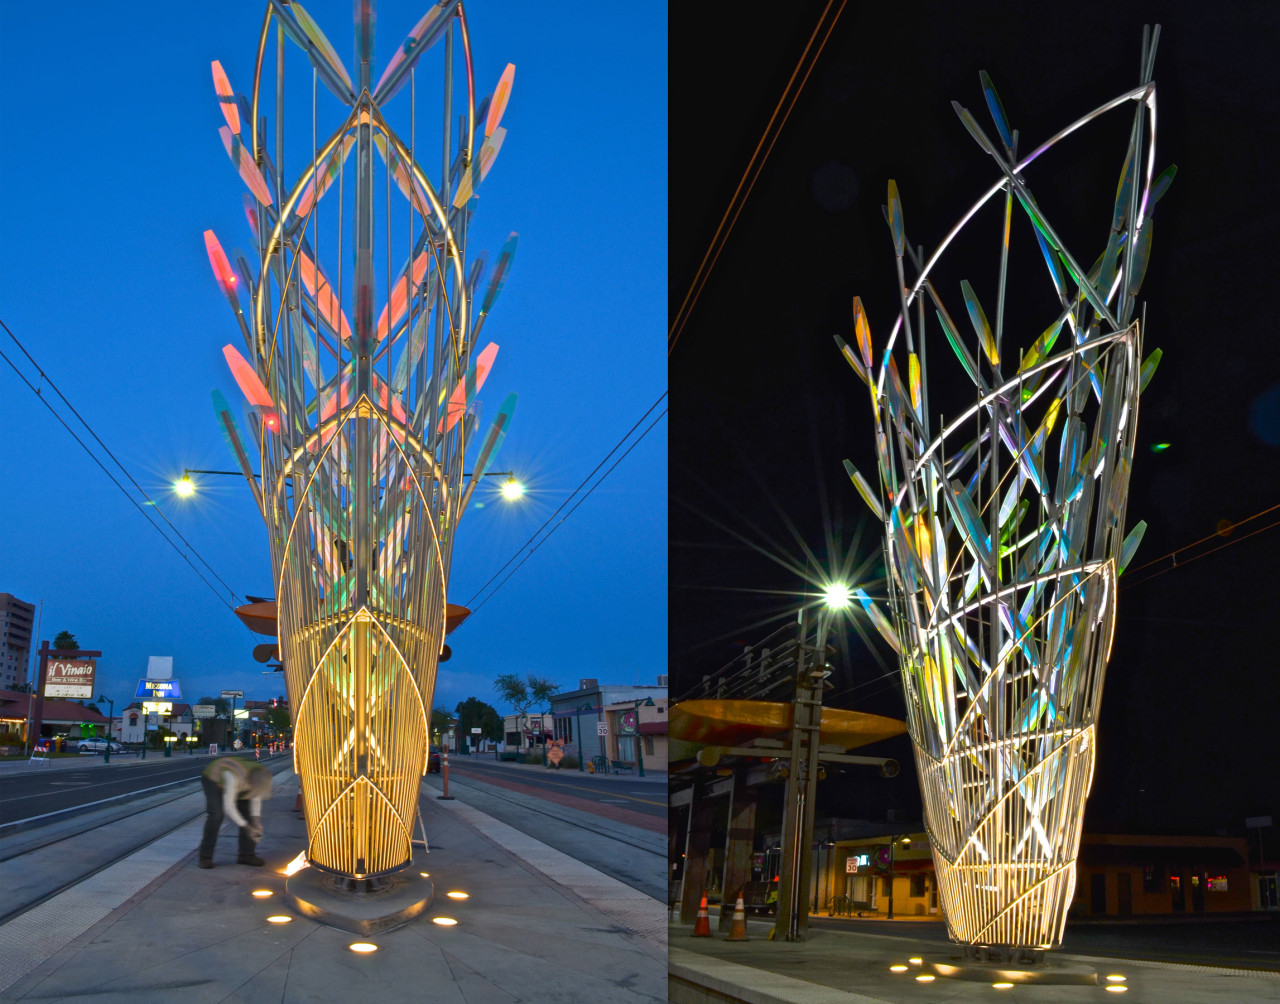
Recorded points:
(99, 746)
(433, 759)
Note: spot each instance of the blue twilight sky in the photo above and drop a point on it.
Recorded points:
(111, 170)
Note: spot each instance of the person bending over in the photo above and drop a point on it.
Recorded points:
(235, 788)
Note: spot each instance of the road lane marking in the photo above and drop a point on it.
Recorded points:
(578, 789)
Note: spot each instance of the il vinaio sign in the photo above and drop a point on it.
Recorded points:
(69, 678)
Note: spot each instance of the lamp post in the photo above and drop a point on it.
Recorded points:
(111, 717)
(577, 713)
(802, 783)
(648, 703)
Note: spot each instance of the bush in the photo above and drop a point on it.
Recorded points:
(534, 757)
(569, 763)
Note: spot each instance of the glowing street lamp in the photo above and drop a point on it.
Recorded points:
(512, 489)
(837, 596)
(185, 486)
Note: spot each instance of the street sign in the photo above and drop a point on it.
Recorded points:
(602, 728)
(238, 744)
(69, 678)
(555, 754)
(233, 693)
(476, 732)
(851, 866)
(159, 690)
(203, 710)
(1257, 822)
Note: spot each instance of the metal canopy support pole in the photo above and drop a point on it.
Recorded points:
(739, 841)
(802, 787)
(697, 846)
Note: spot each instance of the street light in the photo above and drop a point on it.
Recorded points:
(577, 713)
(111, 707)
(512, 489)
(837, 596)
(648, 703)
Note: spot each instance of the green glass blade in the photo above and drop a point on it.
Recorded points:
(996, 109)
(980, 324)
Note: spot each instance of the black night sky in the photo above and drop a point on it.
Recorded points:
(764, 409)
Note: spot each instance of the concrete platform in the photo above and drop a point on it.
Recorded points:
(851, 967)
(535, 926)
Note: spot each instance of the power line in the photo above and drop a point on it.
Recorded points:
(45, 378)
(749, 176)
(568, 498)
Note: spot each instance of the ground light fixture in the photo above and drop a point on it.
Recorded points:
(296, 865)
(279, 918)
(1115, 979)
(444, 921)
(261, 893)
(898, 969)
(916, 960)
(458, 895)
(1117, 988)
(362, 947)
(925, 978)
(425, 874)
(1002, 986)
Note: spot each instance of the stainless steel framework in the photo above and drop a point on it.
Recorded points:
(361, 427)
(1004, 531)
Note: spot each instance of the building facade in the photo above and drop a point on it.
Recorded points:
(1116, 876)
(16, 620)
(577, 716)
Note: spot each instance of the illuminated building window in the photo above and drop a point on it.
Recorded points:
(1217, 883)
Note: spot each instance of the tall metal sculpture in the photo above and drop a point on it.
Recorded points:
(361, 427)
(1003, 532)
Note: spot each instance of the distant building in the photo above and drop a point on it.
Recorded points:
(60, 718)
(131, 723)
(16, 619)
(594, 704)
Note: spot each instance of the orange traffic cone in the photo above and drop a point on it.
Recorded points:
(702, 926)
(738, 929)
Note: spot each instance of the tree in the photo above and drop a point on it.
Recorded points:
(278, 719)
(66, 642)
(221, 706)
(473, 713)
(521, 694)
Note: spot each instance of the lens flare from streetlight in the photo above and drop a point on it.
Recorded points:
(512, 490)
(185, 486)
(837, 596)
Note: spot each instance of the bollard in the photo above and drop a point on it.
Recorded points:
(444, 773)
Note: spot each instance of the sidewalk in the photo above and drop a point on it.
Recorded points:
(153, 927)
(835, 967)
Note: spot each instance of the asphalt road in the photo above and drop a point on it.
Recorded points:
(615, 825)
(1244, 943)
(644, 797)
(37, 791)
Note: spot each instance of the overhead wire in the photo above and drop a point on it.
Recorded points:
(45, 378)
(566, 501)
(749, 176)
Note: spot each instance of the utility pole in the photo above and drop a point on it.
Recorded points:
(802, 787)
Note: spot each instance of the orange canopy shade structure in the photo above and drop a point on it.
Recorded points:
(260, 617)
(733, 723)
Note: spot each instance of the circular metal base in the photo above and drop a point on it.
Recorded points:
(365, 906)
(1049, 971)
